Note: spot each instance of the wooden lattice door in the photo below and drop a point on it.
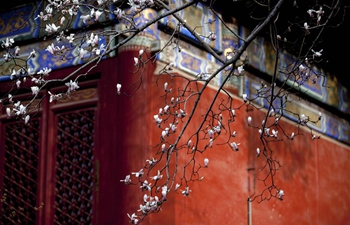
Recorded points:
(74, 176)
(20, 144)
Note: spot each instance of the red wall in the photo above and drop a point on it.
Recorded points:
(314, 173)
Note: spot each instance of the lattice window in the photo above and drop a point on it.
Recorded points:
(20, 173)
(75, 168)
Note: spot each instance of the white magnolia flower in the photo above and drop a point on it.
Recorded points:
(257, 152)
(54, 96)
(165, 86)
(234, 134)
(62, 20)
(233, 112)
(249, 120)
(211, 141)
(119, 86)
(141, 52)
(306, 26)
(119, 13)
(35, 90)
(18, 83)
(212, 36)
(317, 54)
(45, 71)
(157, 119)
(17, 49)
(26, 119)
(166, 109)
(70, 38)
(164, 191)
(82, 53)
(127, 180)
(176, 187)
(146, 186)
(245, 97)
(186, 192)
(8, 42)
(210, 133)
(280, 194)
(206, 161)
(274, 133)
(8, 112)
(189, 143)
(97, 15)
(303, 118)
(240, 69)
(72, 86)
(138, 174)
(292, 136)
(133, 218)
(151, 161)
(32, 54)
(157, 177)
(234, 145)
(51, 28)
(136, 61)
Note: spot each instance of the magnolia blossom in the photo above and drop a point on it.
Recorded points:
(7, 43)
(303, 118)
(127, 180)
(317, 53)
(235, 145)
(306, 26)
(210, 133)
(138, 174)
(212, 36)
(189, 143)
(45, 71)
(82, 53)
(17, 49)
(72, 86)
(70, 38)
(133, 218)
(164, 191)
(233, 112)
(157, 119)
(54, 96)
(32, 54)
(292, 136)
(18, 83)
(136, 61)
(51, 28)
(245, 97)
(119, 13)
(35, 90)
(234, 134)
(206, 161)
(157, 177)
(165, 86)
(257, 152)
(146, 186)
(119, 86)
(240, 69)
(186, 192)
(8, 112)
(280, 194)
(26, 119)
(249, 120)
(274, 133)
